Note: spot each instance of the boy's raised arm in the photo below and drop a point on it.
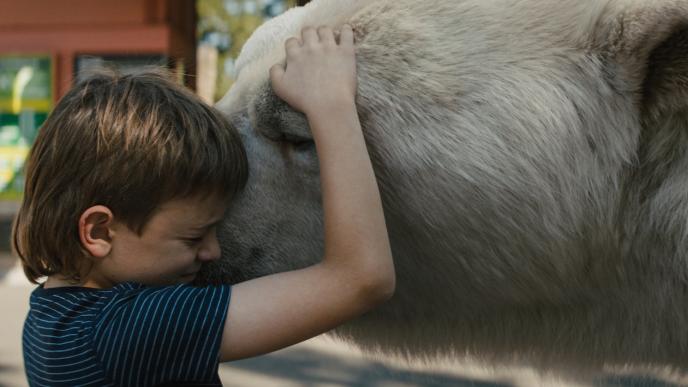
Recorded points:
(357, 272)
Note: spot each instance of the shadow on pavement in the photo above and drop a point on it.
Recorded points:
(4, 371)
(312, 368)
(7, 262)
(632, 381)
(309, 367)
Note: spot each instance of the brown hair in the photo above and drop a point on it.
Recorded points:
(129, 142)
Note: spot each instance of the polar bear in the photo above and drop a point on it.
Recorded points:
(532, 157)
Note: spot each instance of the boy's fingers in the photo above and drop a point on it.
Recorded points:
(276, 74)
(291, 45)
(309, 36)
(346, 35)
(326, 35)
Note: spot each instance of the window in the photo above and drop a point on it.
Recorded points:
(26, 97)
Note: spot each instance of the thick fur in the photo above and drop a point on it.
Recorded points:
(532, 158)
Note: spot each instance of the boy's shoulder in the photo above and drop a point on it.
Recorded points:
(41, 290)
(123, 327)
(120, 298)
(71, 296)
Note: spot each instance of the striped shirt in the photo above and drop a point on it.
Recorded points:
(128, 335)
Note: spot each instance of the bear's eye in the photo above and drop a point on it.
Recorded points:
(300, 144)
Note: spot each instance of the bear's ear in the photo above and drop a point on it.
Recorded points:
(276, 120)
(666, 85)
(650, 40)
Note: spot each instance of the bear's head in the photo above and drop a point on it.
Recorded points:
(531, 157)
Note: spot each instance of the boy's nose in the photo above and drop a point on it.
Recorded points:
(210, 251)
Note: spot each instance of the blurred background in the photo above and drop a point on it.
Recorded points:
(46, 44)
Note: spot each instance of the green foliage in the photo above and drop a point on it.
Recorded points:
(235, 19)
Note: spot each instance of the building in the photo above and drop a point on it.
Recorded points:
(45, 45)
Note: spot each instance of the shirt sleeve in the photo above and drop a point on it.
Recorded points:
(149, 336)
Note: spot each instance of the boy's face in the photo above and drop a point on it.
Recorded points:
(177, 239)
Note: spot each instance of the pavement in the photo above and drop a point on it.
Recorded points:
(319, 362)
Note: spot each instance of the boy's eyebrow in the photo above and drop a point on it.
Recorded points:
(208, 225)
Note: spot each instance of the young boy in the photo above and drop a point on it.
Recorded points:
(125, 184)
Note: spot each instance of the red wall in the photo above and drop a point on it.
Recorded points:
(66, 28)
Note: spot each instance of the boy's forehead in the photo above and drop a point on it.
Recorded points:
(200, 210)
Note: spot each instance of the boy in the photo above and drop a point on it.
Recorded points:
(125, 184)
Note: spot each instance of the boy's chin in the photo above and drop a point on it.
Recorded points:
(188, 278)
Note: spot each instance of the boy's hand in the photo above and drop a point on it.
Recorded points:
(320, 74)
(357, 271)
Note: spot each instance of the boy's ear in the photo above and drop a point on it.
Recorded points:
(95, 230)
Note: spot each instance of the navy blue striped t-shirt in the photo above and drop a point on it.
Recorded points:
(128, 335)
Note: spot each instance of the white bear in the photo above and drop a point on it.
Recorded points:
(532, 157)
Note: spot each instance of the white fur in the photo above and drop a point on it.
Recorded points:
(534, 182)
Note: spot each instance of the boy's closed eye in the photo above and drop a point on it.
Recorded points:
(197, 235)
(193, 241)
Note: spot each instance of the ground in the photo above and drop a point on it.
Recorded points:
(319, 362)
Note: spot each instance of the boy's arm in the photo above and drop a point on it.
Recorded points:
(357, 271)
